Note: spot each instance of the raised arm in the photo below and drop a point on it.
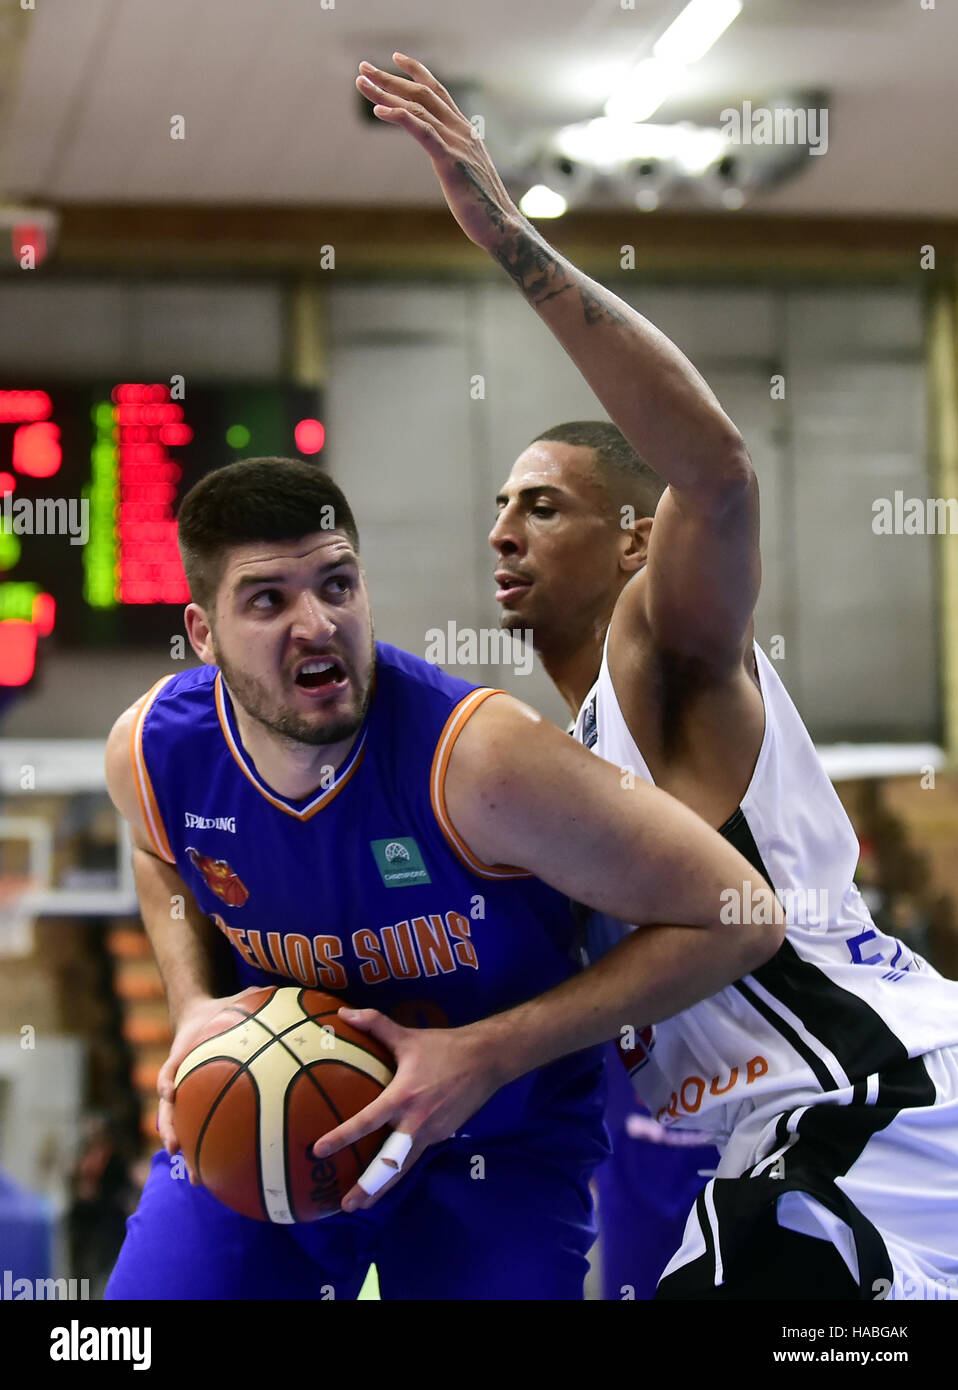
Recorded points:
(703, 565)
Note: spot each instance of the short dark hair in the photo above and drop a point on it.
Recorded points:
(267, 499)
(623, 467)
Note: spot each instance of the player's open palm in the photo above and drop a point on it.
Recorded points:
(191, 1025)
(420, 104)
(443, 1076)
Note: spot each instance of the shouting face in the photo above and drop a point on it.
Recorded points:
(292, 634)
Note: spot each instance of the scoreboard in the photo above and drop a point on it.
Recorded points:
(90, 479)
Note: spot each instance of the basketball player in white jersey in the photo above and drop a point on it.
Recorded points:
(828, 1077)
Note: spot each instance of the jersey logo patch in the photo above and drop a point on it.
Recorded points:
(399, 862)
(590, 732)
(223, 881)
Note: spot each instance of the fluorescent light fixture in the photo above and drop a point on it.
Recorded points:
(644, 90)
(541, 201)
(691, 36)
(697, 147)
(605, 143)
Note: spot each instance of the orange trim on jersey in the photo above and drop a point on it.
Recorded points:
(453, 727)
(319, 803)
(145, 795)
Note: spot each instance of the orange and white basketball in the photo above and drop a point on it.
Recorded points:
(271, 1075)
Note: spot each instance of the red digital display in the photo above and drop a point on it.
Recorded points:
(25, 405)
(310, 436)
(91, 475)
(148, 422)
(18, 651)
(36, 450)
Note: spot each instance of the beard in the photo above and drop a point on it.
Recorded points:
(254, 698)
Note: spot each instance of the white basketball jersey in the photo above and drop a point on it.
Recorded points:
(837, 1007)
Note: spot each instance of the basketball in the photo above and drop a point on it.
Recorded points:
(269, 1077)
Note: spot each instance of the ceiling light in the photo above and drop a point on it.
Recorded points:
(644, 90)
(698, 26)
(606, 143)
(695, 148)
(541, 201)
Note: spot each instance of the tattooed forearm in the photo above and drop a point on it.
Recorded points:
(491, 209)
(598, 309)
(542, 275)
(534, 267)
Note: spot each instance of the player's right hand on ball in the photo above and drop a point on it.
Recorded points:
(190, 1025)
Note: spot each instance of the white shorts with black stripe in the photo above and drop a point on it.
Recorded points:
(872, 1171)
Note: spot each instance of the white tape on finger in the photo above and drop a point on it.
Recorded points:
(387, 1163)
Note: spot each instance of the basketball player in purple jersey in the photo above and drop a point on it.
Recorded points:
(264, 789)
(828, 1073)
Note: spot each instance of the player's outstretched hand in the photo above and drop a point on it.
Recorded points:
(191, 1023)
(420, 104)
(443, 1076)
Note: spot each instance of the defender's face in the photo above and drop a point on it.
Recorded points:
(557, 542)
(292, 634)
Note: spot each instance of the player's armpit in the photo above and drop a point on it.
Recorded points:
(518, 791)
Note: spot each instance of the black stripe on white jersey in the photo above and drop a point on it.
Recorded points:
(855, 1035)
(814, 1063)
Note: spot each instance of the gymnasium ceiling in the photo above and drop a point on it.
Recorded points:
(88, 87)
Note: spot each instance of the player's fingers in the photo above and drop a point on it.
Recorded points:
(164, 1078)
(421, 74)
(394, 103)
(408, 101)
(378, 1025)
(427, 136)
(164, 1123)
(396, 1156)
(417, 94)
(377, 1113)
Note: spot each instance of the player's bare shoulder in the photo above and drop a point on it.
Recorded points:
(509, 769)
